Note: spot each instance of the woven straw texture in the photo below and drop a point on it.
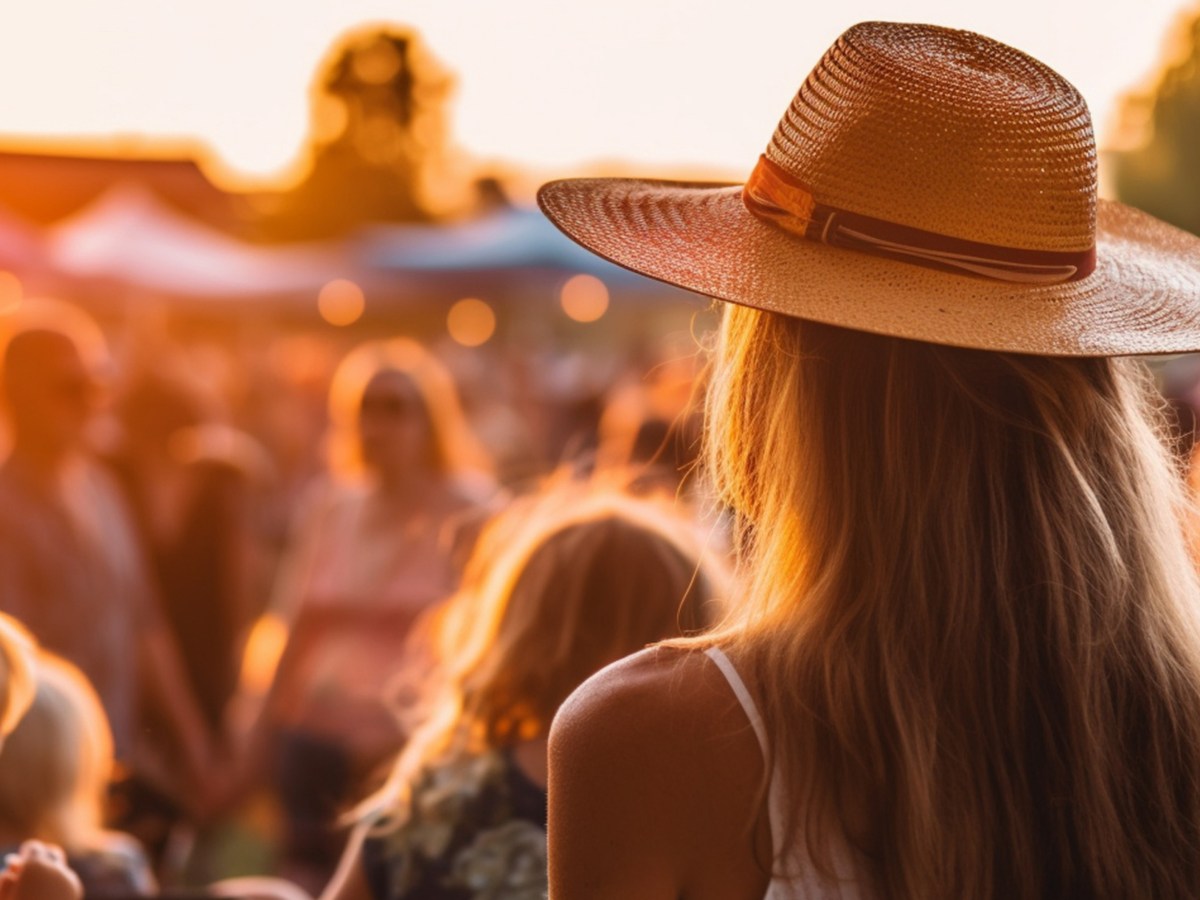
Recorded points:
(946, 131)
(937, 129)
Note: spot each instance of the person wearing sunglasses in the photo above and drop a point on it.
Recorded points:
(374, 550)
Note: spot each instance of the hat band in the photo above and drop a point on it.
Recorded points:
(772, 194)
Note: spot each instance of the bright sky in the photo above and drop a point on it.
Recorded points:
(551, 84)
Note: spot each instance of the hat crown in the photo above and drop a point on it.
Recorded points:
(946, 131)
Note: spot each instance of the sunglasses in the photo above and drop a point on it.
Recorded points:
(389, 406)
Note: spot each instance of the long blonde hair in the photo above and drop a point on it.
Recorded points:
(972, 616)
(560, 584)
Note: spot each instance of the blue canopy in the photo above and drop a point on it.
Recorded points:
(508, 240)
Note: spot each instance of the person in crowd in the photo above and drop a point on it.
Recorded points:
(187, 481)
(54, 772)
(559, 586)
(966, 662)
(373, 553)
(37, 871)
(71, 569)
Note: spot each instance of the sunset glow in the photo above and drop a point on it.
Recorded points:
(543, 84)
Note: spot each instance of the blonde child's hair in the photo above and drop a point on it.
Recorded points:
(55, 765)
(17, 683)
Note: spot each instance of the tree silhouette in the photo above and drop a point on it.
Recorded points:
(1162, 176)
(378, 136)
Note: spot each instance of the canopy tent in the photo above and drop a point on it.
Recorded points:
(510, 243)
(20, 243)
(130, 237)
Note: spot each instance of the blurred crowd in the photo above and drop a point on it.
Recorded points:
(296, 603)
(270, 580)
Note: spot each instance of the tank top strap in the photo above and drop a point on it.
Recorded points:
(803, 882)
(738, 686)
(774, 799)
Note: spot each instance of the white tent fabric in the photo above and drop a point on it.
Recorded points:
(128, 235)
(20, 243)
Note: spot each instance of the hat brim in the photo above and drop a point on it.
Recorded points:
(1143, 297)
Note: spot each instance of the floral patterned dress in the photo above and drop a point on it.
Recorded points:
(476, 831)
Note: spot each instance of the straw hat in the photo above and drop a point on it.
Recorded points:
(925, 183)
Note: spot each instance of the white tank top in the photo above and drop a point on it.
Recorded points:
(801, 880)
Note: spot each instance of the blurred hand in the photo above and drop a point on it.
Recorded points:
(217, 796)
(39, 872)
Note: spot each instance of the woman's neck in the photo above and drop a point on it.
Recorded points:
(403, 486)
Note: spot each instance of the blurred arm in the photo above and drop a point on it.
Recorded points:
(39, 872)
(266, 672)
(168, 692)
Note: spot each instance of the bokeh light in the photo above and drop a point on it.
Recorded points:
(264, 647)
(10, 291)
(471, 322)
(584, 298)
(341, 302)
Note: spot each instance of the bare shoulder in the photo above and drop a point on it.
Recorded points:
(664, 715)
(654, 760)
(659, 689)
